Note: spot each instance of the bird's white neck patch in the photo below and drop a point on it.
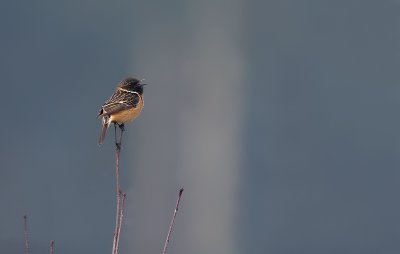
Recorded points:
(128, 91)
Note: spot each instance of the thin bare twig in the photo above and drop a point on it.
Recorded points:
(121, 216)
(26, 234)
(118, 202)
(51, 247)
(172, 221)
(118, 146)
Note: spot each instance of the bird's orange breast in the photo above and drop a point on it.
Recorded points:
(129, 114)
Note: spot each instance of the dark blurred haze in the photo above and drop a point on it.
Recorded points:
(279, 118)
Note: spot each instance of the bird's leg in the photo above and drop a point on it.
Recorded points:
(122, 127)
(117, 144)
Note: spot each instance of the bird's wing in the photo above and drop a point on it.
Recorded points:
(119, 101)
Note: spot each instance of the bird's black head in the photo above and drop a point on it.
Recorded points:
(132, 84)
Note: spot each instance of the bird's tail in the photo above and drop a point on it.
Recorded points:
(103, 131)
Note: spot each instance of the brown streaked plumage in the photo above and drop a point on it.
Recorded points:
(124, 105)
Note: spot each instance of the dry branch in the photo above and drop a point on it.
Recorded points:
(51, 247)
(26, 234)
(172, 221)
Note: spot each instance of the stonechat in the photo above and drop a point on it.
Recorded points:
(124, 106)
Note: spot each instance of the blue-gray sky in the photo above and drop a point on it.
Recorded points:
(280, 119)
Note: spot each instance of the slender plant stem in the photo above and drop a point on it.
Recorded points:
(118, 210)
(51, 247)
(121, 216)
(26, 234)
(172, 221)
(117, 213)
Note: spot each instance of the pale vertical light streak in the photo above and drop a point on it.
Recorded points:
(211, 124)
(190, 129)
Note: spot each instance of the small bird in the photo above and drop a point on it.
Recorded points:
(124, 105)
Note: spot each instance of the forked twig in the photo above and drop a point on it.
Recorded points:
(118, 220)
(172, 221)
(118, 201)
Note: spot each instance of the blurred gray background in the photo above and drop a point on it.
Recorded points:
(279, 118)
